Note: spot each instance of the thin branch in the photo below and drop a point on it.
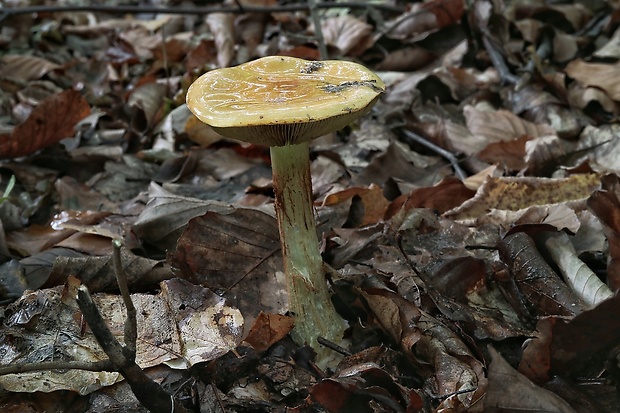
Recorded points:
(102, 365)
(313, 6)
(449, 156)
(131, 328)
(122, 9)
(498, 61)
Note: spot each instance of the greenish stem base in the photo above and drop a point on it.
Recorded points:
(309, 299)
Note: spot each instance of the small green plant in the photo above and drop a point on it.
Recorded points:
(9, 187)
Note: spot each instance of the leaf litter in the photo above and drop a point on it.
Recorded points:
(492, 291)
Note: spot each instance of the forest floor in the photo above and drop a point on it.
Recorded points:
(470, 222)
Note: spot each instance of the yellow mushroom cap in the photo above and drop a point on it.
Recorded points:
(281, 100)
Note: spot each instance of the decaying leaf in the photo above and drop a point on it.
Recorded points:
(268, 329)
(513, 194)
(238, 255)
(540, 285)
(509, 390)
(181, 326)
(568, 346)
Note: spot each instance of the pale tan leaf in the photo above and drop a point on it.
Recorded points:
(25, 67)
(602, 145)
(580, 96)
(149, 98)
(222, 27)
(611, 50)
(350, 35)
(577, 274)
(502, 125)
(601, 75)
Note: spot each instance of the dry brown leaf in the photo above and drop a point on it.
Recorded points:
(268, 329)
(50, 122)
(150, 98)
(166, 215)
(564, 347)
(605, 203)
(601, 75)
(558, 215)
(36, 238)
(580, 96)
(543, 154)
(565, 47)
(427, 16)
(510, 154)
(98, 274)
(406, 59)
(251, 28)
(543, 289)
(372, 198)
(447, 194)
(142, 41)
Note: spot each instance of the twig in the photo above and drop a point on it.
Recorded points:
(333, 346)
(318, 30)
(102, 365)
(150, 394)
(543, 51)
(131, 328)
(122, 9)
(439, 150)
(498, 62)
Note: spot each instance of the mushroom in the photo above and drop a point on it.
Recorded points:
(284, 103)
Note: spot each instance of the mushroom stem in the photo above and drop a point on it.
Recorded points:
(309, 298)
